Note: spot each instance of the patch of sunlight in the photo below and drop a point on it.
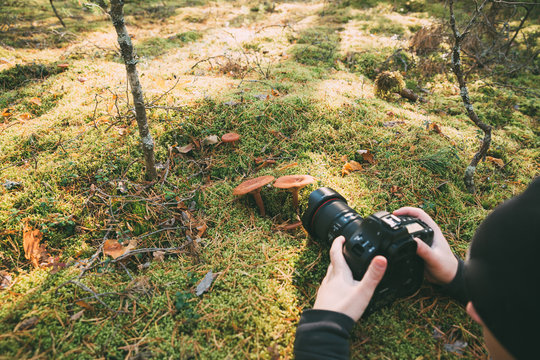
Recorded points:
(344, 88)
(355, 39)
(327, 170)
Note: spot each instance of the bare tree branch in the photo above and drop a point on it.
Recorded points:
(464, 91)
(56, 13)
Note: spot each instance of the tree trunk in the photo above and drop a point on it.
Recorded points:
(126, 48)
(464, 91)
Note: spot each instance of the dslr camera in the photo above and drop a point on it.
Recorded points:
(328, 216)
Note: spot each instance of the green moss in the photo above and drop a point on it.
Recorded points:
(316, 46)
(386, 27)
(24, 75)
(367, 63)
(157, 46)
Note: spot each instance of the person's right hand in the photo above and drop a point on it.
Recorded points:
(441, 264)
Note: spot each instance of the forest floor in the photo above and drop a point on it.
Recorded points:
(296, 81)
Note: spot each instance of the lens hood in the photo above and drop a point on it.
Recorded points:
(316, 199)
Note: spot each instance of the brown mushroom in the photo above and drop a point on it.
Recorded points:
(230, 138)
(294, 183)
(253, 187)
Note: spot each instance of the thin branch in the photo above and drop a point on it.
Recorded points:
(464, 91)
(56, 13)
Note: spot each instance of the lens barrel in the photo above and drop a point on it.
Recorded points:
(327, 214)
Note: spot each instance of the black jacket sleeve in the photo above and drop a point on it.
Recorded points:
(322, 334)
(456, 288)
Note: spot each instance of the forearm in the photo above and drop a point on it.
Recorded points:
(456, 288)
(323, 334)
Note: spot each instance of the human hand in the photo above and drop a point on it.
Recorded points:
(340, 292)
(441, 264)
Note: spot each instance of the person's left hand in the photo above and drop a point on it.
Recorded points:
(340, 292)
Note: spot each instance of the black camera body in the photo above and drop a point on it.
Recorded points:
(328, 216)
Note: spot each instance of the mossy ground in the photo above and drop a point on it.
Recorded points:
(322, 64)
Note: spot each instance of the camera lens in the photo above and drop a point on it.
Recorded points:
(327, 215)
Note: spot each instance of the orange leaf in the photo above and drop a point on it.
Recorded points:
(63, 66)
(35, 101)
(84, 304)
(113, 248)
(367, 156)
(275, 92)
(25, 116)
(435, 127)
(350, 167)
(6, 113)
(496, 161)
(201, 229)
(31, 239)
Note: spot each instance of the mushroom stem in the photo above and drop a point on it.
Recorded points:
(258, 199)
(294, 192)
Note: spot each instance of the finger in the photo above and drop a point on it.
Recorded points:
(336, 254)
(409, 210)
(417, 213)
(373, 275)
(424, 250)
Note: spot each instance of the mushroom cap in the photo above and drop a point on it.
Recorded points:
(230, 137)
(252, 184)
(294, 181)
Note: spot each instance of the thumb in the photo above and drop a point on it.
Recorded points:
(373, 275)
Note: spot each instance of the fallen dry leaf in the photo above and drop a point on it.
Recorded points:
(210, 140)
(496, 161)
(25, 116)
(35, 101)
(350, 167)
(205, 283)
(367, 156)
(7, 112)
(84, 304)
(27, 324)
(184, 149)
(5, 280)
(159, 255)
(116, 249)
(201, 229)
(63, 66)
(435, 127)
(31, 239)
(113, 248)
(77, 315)
(82, 79)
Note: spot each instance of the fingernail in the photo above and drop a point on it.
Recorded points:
(380, 264)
